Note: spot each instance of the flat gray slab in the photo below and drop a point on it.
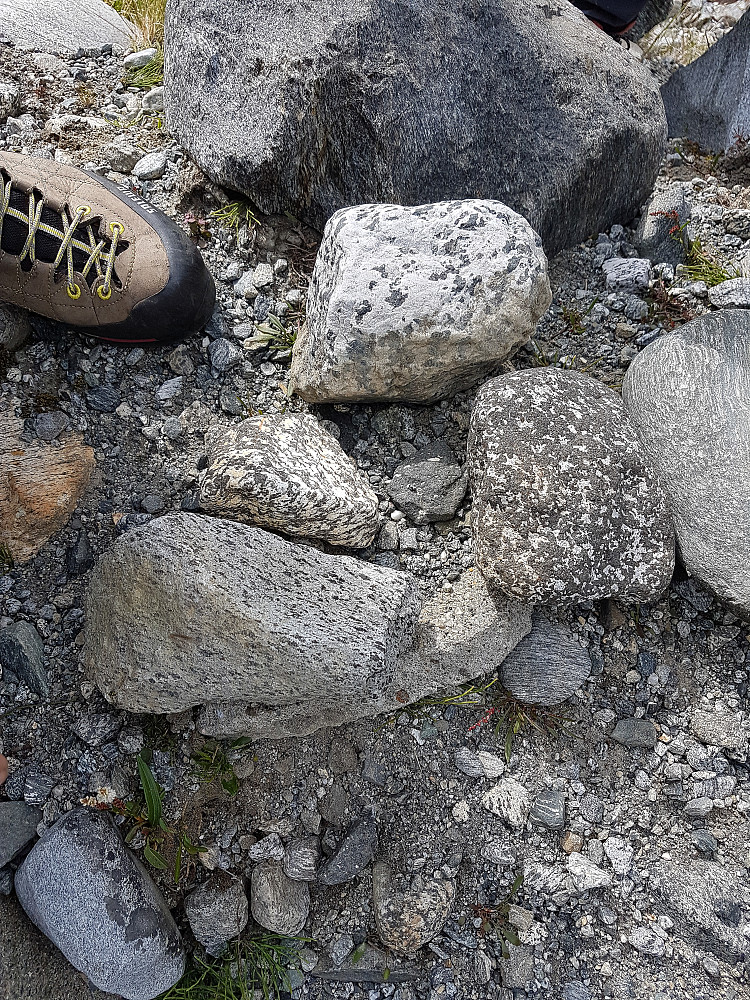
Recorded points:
(63, 26)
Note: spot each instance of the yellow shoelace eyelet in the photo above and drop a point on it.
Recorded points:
(86, 209)
(74, 291)
(100, 292)
(116, 227)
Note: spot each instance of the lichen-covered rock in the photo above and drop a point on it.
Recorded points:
(547, 666)
(566, 505)
(287, 473)
(708, 100)
(190, 609)
(407, 920)
(313, 107)
(430, 486)
(277, 902)
(688, 395)
(63, 27)
(82, 887)
(40, 486)
(217, 911)
(415, 304)
(459, 636)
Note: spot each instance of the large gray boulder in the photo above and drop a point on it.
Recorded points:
(188, 610)
(93, 899)
(709, 100)
(287, 473)
(460, 636)
(566, 506)
(688, 395)
(415, 304)
(64, 26)
(310, 107)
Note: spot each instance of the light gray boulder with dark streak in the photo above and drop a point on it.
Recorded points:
(688, 395)
(287, 473)
(567, 506)
(415, 304)
(459, 636)
(190, 609)
(312, 107)
(93, 899)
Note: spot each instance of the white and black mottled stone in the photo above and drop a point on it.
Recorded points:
(688, 395)
(190, 609)
(566, 505)
(217, 911)
(459, 636)
(430, 486)
(407, 920)
(547, 666)
(287, 473)
(94, 900)
(414, 304)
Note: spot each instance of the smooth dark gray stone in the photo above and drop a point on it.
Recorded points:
(709, 100)
(93, 899)
(18, 823)
(430, 486)
(354, 855)
(547, 666)
(310, 107)
(688, 395)
(22, 655)
(635, 733)
(659, 237)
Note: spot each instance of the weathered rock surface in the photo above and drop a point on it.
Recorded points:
(14, 323)
(287, 473)
(353, 855)
(278, 903)
(732, 294)
(430, 486)
(509, 800)
(22, 656)
(547, 666)
(415, 304)
(459, 636)
(18, 823)
(39, 485)
(188, 610)
(407, 920)
(64, 26)
(314, 108)
(123, 937)
(635, 733)
(566, 506)
(688, 394)
(660, 235)
(708, 100)
(217, 911)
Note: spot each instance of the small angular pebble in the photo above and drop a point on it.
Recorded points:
(704, 841)
(278, 903)
(635, 733)
(430, 486)
(263, 276)
(37, 786)
(48, 426)
(169, 389)
(509, 800)
(302, 858)
(95, 730)
(592, 808)
(627, 273)
(267, 848)
(354, 855)
(224, 354)
(18, 823)
(104, 398)
(22, 655)
(698, 808)
(647, 942)
(587, 875)
(548, 809)
(547, 666)
(620, 854)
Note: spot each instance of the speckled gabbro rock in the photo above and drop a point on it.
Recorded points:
(85, 890)
(287, 473)
(191, 609)
(407, 920)
(415, 304)
(566, 505)
(688, 395)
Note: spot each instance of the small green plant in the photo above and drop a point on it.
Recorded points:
(212, 764)
(146, 15)
(666, 310)
(259, 964)
(6, 558)
(148, 76)
(236, 214)
(494, 919)
(198, 227)
(702, 266)
(272, 334)
(144, 817)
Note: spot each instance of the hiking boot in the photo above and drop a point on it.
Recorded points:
(81, 250)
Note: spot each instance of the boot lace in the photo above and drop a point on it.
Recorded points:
(71, 237)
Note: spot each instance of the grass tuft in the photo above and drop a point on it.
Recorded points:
(148, 76)
(146, 15)
(235, 215)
